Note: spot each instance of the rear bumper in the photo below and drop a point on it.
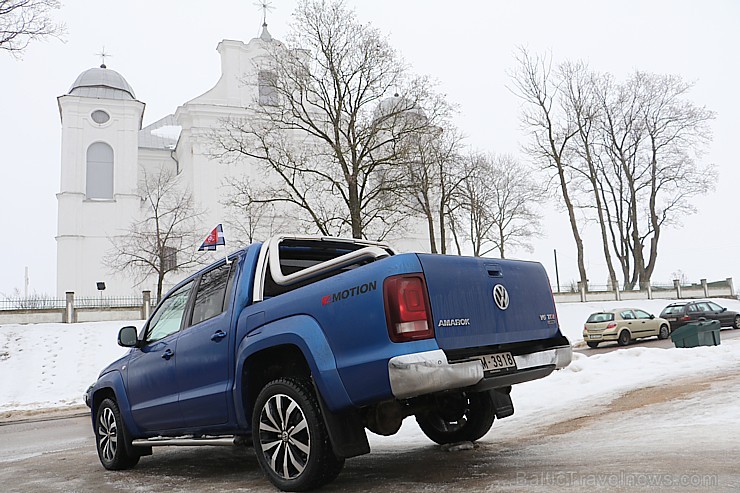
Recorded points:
(600, 336)
(416, 374)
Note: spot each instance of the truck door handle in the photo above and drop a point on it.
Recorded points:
(218, 335)
(168, 354)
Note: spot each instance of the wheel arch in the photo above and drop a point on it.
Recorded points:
(290, 344)
(623, 329)
(111, 386)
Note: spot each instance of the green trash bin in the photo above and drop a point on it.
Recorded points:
(701, 333)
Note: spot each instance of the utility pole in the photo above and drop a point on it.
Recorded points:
(25, 289)
(557, 275)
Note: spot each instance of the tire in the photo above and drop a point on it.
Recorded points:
(736, 324)
(292, 460)
(592, 345)
(458, 417)
(112, 439)
(624, 338)
(664, 332)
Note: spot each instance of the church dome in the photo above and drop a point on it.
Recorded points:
(398, 105)
(102, 83)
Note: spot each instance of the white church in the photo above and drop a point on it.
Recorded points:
(105, 151)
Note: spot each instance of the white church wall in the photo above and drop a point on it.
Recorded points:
(85, 226)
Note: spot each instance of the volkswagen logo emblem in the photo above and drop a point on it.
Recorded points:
(501, 296)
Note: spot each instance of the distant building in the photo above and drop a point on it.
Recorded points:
(105, 149)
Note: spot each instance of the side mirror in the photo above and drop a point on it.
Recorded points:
(652, 316)
(127, 337)
(724, 309)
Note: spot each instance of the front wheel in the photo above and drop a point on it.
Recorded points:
(458, 417)
(111, 438)
(290, 439)
(664, 332)
(736, 324)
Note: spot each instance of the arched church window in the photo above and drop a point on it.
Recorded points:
(267, 92)
(99, 176)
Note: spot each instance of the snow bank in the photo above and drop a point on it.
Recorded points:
(51, 365)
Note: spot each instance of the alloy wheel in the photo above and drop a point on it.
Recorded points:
(284, 436)
(108, 434)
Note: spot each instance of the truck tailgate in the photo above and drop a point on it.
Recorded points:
(465, 313)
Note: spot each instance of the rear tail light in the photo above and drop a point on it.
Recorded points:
(407, 308)
(611, 325)
(685, 318)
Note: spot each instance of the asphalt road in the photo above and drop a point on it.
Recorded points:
(649, 440)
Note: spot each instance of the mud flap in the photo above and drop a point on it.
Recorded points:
(346, 431)
(502, 402)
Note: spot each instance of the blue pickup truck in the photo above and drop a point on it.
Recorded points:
(297, 345)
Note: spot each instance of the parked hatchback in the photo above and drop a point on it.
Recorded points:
(683, 312)
(623, 325)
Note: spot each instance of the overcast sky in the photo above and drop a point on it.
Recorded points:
(167, 52)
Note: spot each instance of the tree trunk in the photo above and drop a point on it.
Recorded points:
(573, 223)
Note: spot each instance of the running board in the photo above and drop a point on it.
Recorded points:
(187, 442)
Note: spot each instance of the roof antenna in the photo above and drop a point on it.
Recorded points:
(102, 56)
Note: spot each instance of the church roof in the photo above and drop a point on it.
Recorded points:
(102, 83)
(162, 134)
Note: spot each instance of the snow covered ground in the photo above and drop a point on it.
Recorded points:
(51, 365)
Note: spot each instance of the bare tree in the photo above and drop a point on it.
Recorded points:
(498, 197)
(582, 108)
(249, 218)
(653, 137)
(23, 21)
(435, 173)
(628, 151)
(332, 133)
(551, 132)
(165, 239)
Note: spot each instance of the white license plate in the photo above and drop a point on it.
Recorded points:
(498, 361)
(595, 336)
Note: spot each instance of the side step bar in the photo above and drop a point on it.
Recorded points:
(191, 441)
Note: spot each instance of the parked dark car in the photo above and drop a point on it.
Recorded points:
(683, 312)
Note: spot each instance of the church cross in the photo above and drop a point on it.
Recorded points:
(102, 56)
(265, 6)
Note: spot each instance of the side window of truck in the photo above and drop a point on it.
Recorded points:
(168, 318)
(211, 300)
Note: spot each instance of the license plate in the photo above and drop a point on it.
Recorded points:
(498, 361)
(595, 336)
(671, 319)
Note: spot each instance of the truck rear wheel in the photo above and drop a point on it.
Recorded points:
(290, 438)
(458, 417)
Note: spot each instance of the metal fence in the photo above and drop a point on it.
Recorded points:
(40, 303)
(678, 290)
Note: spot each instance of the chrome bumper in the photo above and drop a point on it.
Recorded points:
(423, 373)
